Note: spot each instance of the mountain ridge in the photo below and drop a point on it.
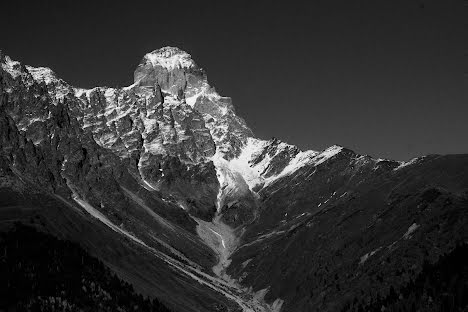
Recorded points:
(166, 165)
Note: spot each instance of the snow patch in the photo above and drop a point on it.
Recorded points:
(413, 227)
(101, 217)
(404, 164)
(246, 262)
(327, 154)
(231, 181)
(368, 255)
(220, 237)
(170, 58)
(241, 164)
(42, 74)
(12, 67)
(300, 160)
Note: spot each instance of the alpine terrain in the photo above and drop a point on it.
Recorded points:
(165, 186)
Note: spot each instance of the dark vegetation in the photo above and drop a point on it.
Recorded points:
(41, 273)
(442, 286)
(342, 236)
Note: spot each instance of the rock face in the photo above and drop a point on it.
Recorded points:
(166, 175)
(174, 71)
(166, 126)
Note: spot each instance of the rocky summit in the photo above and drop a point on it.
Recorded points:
(166, 185)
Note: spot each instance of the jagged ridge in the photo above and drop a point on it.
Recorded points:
(170, 147)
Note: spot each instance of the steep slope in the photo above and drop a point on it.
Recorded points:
(440, 286)
(164, 183)
(137, 159)
(353, 227)
(41, 273)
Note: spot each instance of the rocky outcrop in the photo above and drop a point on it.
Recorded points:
(174, 71)
(170, 172)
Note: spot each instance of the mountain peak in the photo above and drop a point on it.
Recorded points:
(170, 58)
(9, 65)
(167, 67)
(42, 74)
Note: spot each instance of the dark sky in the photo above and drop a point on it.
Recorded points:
(384, 78)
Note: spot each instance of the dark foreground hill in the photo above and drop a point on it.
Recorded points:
(42, 273)
(442, 286)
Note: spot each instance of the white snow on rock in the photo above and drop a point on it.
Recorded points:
(404, 164)
(305, 158)
(11, 66)
(170, 58)
(240, 171)
(413, 227)
(42, 74)
(302, 159)
(101, 217)
(193, 93)
(30, 75)
(327, 154)
(230, 180)
(368, 255)
(79, 92)
(241, 164)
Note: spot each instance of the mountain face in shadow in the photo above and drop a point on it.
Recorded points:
(170, 190)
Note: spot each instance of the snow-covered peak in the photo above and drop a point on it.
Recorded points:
(170, 58)
(30, 75)
(15, 69)
(42, 74)
(10, 66)
(327, 154)
(262, 162)
(403, 164)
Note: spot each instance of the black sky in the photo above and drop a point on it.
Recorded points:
(384, 78)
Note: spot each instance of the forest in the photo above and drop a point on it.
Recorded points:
(440, 287)
(42, 273)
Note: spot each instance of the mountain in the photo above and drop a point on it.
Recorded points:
(170, 189)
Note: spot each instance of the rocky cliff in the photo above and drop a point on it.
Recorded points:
(164, 182)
